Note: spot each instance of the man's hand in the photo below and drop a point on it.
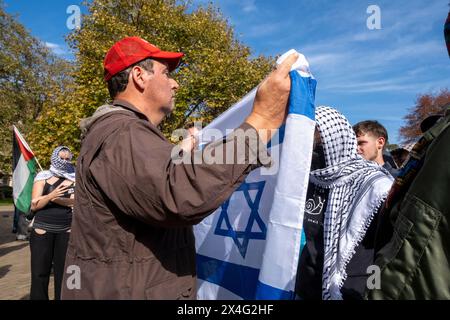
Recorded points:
(270, 106)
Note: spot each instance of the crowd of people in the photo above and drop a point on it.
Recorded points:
(133, 209)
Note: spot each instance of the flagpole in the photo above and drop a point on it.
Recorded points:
(37, 161)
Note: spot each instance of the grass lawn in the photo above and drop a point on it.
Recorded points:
(6, 202)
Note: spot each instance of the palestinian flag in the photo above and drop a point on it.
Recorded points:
(24, 166)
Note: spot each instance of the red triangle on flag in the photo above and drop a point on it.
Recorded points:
(24, 148)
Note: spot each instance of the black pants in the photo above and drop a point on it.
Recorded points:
(46, 249)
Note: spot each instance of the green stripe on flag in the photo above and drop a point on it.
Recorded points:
(23, 202)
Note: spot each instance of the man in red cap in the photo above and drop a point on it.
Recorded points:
(135, 206)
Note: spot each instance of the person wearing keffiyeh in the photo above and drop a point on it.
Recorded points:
(52, 202)
(59, 167)
(345, 193)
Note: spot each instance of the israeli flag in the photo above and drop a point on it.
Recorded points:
(249, 248)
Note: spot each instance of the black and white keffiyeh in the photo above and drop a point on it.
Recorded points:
(357, 189)
(59, 167)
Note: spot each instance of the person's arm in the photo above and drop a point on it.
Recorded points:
(66, 202)
(143, 180)
(38, 201)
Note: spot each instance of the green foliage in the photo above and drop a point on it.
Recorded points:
(29, 74)
(6, 202)
(55, 126)
(216, 71)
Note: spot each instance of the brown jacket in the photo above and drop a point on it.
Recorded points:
(134, 210)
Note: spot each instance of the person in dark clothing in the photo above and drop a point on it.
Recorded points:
(412, 239)
(15, 220)
(343, 197)
(429, 122)
(309, 274)
(400, 155)
(372, 140)
(21, 225)
(52, 201)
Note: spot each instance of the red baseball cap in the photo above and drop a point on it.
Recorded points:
(131, 50)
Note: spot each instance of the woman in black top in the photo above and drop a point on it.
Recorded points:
(52, 202)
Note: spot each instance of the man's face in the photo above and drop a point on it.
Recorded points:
(161, 87)
(370, 147)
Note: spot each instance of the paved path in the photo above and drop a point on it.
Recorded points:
(15, 273)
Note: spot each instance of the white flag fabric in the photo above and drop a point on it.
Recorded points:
(24, 171)
(249, 248)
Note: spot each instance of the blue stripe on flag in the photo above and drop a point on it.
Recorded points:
(236, 278)
(301, 97)
(266, 292)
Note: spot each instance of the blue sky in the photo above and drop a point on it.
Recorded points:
(366, 74)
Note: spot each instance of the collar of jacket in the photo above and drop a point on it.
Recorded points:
(129, 106)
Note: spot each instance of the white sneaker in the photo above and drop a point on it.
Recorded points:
(21, 237)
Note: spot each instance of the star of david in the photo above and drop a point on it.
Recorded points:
(241, 238)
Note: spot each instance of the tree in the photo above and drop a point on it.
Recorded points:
(391, 146)
(216, 72)
(426, 105)
(29, 73)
